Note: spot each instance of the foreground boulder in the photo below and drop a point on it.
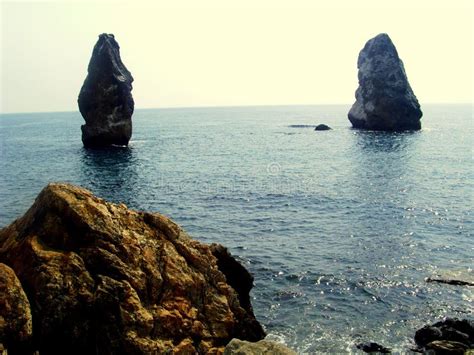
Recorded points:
(384, 98)
(16, 327)
(105, 99)
(103, 279)
(450, 336)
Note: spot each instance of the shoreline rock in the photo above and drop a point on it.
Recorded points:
(105, 279)
(322, 127)
(105, 100)
(16, 326)
(450, 281)
(384, 99)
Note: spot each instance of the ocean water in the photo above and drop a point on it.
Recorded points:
(340, 228)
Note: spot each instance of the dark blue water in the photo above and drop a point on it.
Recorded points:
(340, 228)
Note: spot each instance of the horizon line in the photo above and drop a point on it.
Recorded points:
(226, 106)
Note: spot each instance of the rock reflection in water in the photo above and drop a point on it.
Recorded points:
(111, 173)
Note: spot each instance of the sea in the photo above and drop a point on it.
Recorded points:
(339, 228)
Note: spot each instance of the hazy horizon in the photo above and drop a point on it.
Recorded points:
(215, 54)
(237, 106)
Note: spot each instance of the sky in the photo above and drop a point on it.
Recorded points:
(228, 53)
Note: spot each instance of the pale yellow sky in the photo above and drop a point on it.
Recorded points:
(218, 52)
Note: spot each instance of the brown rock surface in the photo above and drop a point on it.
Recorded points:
(15, 316)
(105, 279)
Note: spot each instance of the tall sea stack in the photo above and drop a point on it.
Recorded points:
(384, 98)
(105, 99)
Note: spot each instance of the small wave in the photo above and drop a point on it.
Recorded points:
(274, 195)
(279, 338)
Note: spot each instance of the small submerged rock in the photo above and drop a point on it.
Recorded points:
(236, 275)
(450, 281)
(16, 324)
(384, 98)
(105, 99)
(322, 127)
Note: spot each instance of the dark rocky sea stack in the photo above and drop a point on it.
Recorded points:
(384, 98)
(103, 279)
(322, 127)
(105, 99)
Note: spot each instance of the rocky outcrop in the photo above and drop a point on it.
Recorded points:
(451, 336)
(16, 326)
(262, 347)
(103, 279)
(384, 98)
(105, 99)
(322, 127)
